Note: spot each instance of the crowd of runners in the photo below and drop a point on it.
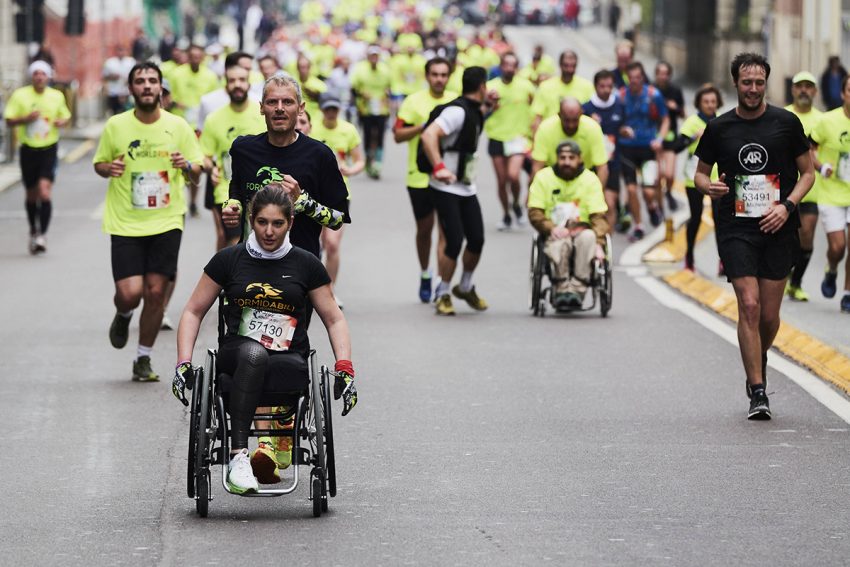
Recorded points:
(576, 157)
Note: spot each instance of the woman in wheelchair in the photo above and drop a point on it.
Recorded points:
(566, 205)
(269, 286)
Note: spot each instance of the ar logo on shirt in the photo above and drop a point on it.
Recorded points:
(753, 157)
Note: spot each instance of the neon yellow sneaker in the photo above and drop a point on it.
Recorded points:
(796, 293)
(283, 445)
(444, 305)
(470, 297)
(264, 462)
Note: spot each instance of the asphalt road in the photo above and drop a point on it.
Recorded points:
(489, 438)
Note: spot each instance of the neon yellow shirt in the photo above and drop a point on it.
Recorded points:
(408, 73)
(512, 119)
(415, 110)
(550, 92)
(311, 105)
(311, 11)
(220, 129)
(406, 40)
(372, 87)
(548, 190)
(546, 66)
(42, 132)
(692, 126)
(342, 140)
(455, 83)
(187, 88)
(148, 198)
(809, 119)
(830, 134)
(168, 67)
(588, 136)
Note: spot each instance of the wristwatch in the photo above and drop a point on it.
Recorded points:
(790, 205)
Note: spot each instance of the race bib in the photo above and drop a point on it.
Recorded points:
(842, 170)
(150, 189)
(755, 194)
(691, 167)
(376, 106)
(565, 214)
(610, 145)
(272, 330)
(516, 146)
(38, 129)
(649, 172)
(226, 166)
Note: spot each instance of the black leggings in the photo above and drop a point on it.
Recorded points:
(373, 130)
(246, 360)
(460, 217)
(695, 202)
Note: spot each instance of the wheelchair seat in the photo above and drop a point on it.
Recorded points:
(287, 376)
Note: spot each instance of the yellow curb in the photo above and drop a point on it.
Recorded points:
(822, 359)
(672, 251)
(79, 151)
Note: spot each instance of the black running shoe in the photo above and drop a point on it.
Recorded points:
(759, 406)
(763, 376)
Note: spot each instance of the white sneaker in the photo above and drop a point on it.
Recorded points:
(32, 247)
(40, 244)
(240, 475)
(167, 325)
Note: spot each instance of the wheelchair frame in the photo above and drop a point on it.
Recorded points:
(209, 441)
(601, 281)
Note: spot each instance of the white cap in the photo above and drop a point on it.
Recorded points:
(40, 66)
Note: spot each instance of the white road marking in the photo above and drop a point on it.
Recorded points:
(817, 388)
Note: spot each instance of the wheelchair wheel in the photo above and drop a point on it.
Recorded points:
(194, 410)
(536, 301)
(317, 497)
(330, 461)
(203, 438)
(316, 431)
(606, 293)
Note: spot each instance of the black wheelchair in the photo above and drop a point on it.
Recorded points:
(541, 295)
(293, 382)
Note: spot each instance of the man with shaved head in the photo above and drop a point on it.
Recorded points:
(570, 123)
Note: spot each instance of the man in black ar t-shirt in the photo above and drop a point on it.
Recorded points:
(765, 170)
(305, 167)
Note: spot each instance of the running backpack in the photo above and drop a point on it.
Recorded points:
(466, 142)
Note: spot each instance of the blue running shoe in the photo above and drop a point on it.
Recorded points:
(425, 290)
(845, 303)
(827, 286)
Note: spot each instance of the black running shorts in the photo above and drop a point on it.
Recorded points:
(767, 256)
(421, 201)
(632, 159)
(38, 163)
(140, 255)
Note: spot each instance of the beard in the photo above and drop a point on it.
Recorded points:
(744, 101)
(238, 96)
(566, 173)
(144, 106)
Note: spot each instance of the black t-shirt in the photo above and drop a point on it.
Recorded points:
(267, 298)
(767, 145)
(256, 162)
(674, 93)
